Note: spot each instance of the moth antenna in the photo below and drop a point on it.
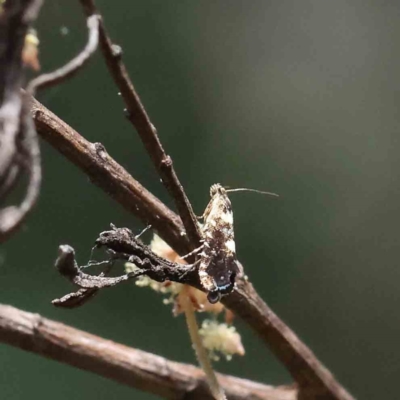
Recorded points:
(251, 190)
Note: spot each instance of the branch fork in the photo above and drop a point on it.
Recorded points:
(121, 244)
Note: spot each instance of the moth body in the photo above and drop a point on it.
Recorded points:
(218, 264)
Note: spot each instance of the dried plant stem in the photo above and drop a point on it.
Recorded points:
(73, 66)
(19, 149)
(126, 365)
(197, 342)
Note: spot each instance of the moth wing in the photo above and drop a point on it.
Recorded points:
(208, 209)
(206, 279)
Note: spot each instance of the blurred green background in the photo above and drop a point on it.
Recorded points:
(296, 97)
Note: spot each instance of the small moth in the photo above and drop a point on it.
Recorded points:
(218, 263)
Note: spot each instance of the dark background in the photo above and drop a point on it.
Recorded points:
(299, 98)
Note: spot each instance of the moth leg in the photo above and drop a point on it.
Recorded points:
(191, 268)
(195, 251)
(206, 280)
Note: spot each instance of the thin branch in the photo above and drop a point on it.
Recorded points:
(105, 172)
(75, 299)
(15, 20)
(139, 118)
(314, 379)
(19, 149)
(312, 376)
(123, 245)
(73, 66)
(12, 217)
(68, 267)
(10, 179)
(131, 367)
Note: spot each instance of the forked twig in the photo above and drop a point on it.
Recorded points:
(139, 118)
(112, 178)
(122, 245)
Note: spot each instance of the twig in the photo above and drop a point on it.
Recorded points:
(75, 299)
(123, 245)
(73, 66)
(306, 369)
(19, 148)
(14, 22)
(131, 367)
(139, 118)
(68, 267)
(12, 217)
(7, 184)
(22, 147)
(105, 172)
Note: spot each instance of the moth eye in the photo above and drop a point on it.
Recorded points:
(213, 297)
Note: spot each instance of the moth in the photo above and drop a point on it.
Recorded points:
(218, 264)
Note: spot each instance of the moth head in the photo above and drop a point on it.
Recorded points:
(216, 189)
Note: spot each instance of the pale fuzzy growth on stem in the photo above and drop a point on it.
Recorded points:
(221, 339)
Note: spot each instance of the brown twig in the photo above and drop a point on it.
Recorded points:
(68, 267)
(14, 22)
(19, 150)
(106, 173)
(72, 67)
(313, 378)
(123, 364)
(139, 118)
(13, 216)
(122, 245)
